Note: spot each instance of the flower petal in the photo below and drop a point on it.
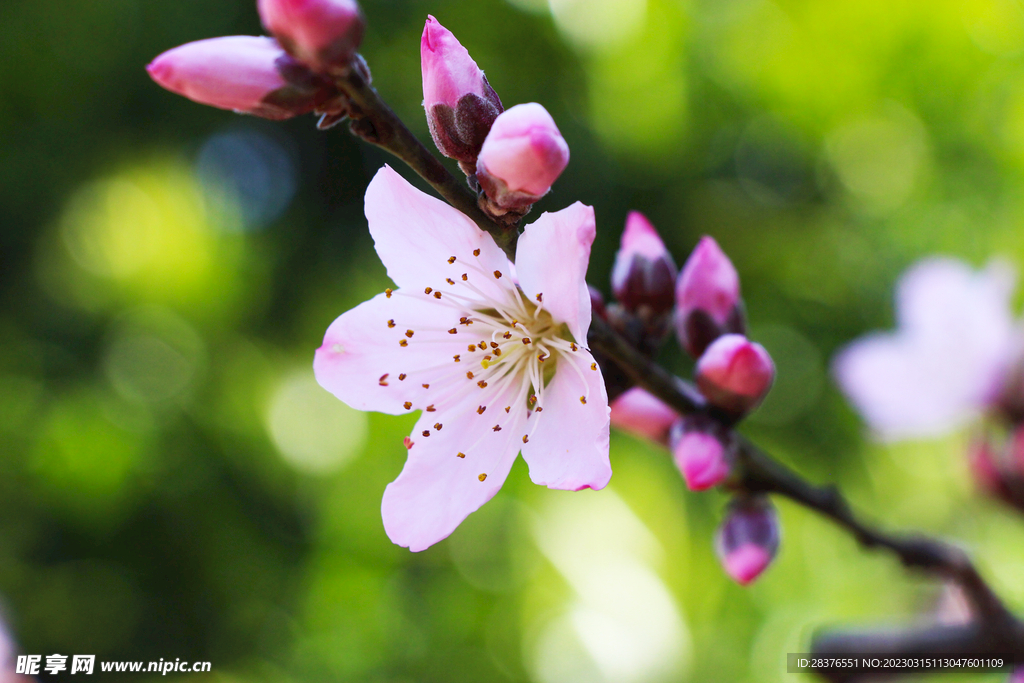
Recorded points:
(552, 259)
(416, 235)
(437, 489)
(569, 449)
(362, 357)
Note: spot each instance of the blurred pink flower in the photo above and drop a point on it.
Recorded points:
(947, 358)
(496, 366)
(639, 412)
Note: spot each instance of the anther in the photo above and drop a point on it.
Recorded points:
(482, 476)
(408, 442)
(480, 410)
(465, 277)
(583, 400)
(391, 323)
(449, 281)
(408, 405)
(471, 348)
(437, 426)
(460, 455)
(508, 408)
(426, 386)
(483, 346)
(482, 384)
(383, 381)
(437, 295)
(507, 335)
(494, 345)
(453, 331)
(409, 333)
(451, 259)
(469, 375)
(539, 409)
(527, 340)
(387, 292)
(533, 399)
(542, 357)
(426, 432)
(496, 428)
(572, 345)
(476, 252)
(497, 352)
(540, 297)
(457, 358)
(593, 366)
(402, 377)
(526, 438)
(497, 275)
(403, 342)
(428, 290)
(431, 408)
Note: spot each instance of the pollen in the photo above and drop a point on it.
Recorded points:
(482, 384)
(507, 335)
(391, 323)
(526, 438)
(583, 400)
(593, 366)
(482, 345)
(482, 476)
(527, 340)
(494, 345)
(476, 252)
(431, 408)
(409, 333)
(540, 297)
(408, 442)
(403, 342)
(449, 281)
(508, 408)
(387, 292)
(497, 352)
(402, 377)
(480, 410)
(437, 295)
(471, 348)
(460, 455)
(539, 409)
(408, 405)
(437, 426)
(469, 375)
(572, 345)
(383, 381)
(457, 357)
(426, 432)
(428, 290)
(496, 428)
(426, 386)
(451, 259)
(465, 277)
(465, 321)
(497, 275)
(533, 400)
(454, 330)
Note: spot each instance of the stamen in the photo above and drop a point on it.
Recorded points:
(426, 432)
(496, 428)
(508, 408)
(539, 409)
(465, 277)
(403, 342)
(482, 345)
(460, 455)
(482, 384)
(494, 345)
(497, 352)
(469, 375)
(402, 377)
(437, 295)
(391, 323)
(451, 259)
(383, 381)
(533, 400)
(593, 366)
(540, 297)
(408, 405)
(482, 476)
(426, 386)
(541, 357)
(572, 345)
(453, 331)
(526, 438)
(431, 408)
(457, 358)
(387, 293)
(471, 348)
(497, 275)
(480, 410)
(437, 426)
(476, 252)
(583, 400)
(527, 340)
(449, 281)
(507, 335)
(409, 333)
(428, 290)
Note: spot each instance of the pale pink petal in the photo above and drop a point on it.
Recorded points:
(437, 489)
(416, 235)
(551, 261)
(569, 446)
(362, 359)
(639, 412)
(943, 364)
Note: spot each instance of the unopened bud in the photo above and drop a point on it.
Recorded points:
(323, 34)
(998, 468)
(521, 157)
(702, 451)
(639, 412)
(708, 301)
(247, 74)
(461, 105)
(644, 273)
(748, 539)
(735, 374)
(597, 302)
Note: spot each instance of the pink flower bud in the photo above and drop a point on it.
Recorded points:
(998, 469)
(461, 105)
(522, 156)
(748, 539)
(323, 34)
(707, 298)
(644, 272)
(247, 74)
(735, 374)
(702, 453)
(638, 412)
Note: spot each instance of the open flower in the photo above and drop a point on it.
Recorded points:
(947, 361)
(496, 364)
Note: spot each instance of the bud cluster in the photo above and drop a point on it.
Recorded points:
(274, 78)
(732, 373)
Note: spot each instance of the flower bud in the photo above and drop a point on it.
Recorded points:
(248, 74)
(461, 105)
(521, 157)
(735, 374)
(998, 468)
(748, 539)
(597, 302)
(644, 273)
(707, 298)
(323, 34)
(702, 451)
(639, 412)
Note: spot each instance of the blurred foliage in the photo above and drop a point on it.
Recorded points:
(174, 484)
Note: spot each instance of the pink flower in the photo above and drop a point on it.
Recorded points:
(735, 374)
(244, 73)
(496, 366)
(748, 539)
(641, 413)
(707, 298)
(320, 33)
(644, 273)
(461, 105)
(523, 155)
(945, 361)
(701, 454)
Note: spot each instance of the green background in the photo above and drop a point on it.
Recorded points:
(173, 483)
